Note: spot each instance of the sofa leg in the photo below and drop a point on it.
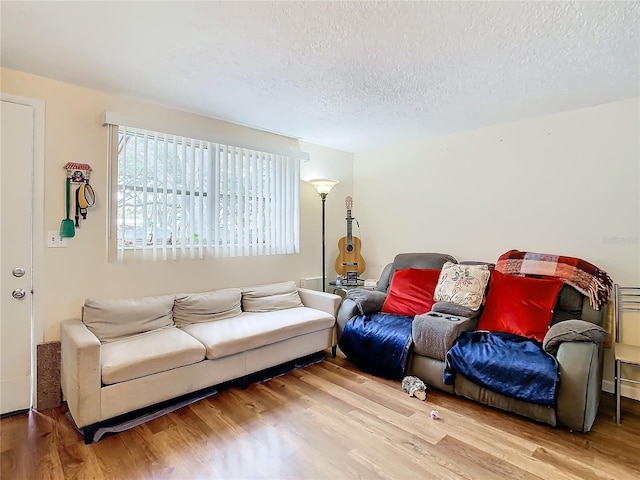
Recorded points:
(88, 432)
(334, 351)
(244, 383)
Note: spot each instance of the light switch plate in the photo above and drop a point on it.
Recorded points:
(54, 240)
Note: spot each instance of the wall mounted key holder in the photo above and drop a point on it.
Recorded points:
(85, 196)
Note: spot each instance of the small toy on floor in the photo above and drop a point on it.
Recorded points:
(414, 387)
(435, 415)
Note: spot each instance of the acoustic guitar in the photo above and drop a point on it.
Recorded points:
(349, 257)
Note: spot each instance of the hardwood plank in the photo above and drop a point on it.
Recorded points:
(328, 420)
(405, 444)
(469, 458)
(569, 465)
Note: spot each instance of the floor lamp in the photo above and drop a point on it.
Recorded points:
(323, 186)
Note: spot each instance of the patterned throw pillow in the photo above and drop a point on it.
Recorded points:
(462, 284)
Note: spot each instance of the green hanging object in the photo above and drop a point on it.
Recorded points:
(67, 228)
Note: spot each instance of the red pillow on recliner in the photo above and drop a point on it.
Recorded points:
(411, 291)
(520, 305)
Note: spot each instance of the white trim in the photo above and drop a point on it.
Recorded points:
(121, 119)
(112, 188)
(37, 225)
(626, 390)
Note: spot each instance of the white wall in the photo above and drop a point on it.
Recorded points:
(338, 165)
(566, 184)
(74, 132)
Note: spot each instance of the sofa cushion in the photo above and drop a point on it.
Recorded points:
(570, 300)
(402, 261)
(271, 297)
(411, 291)
(148, 353)
(519, 305)
(462, 284)
(206, 306)
(110, 319)
(252, 330)
(572, 331)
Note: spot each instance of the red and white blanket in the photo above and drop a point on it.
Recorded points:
(580, 274)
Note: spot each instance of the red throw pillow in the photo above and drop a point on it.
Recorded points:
(519, 305)
(411, 291)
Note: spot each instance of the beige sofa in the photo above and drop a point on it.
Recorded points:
(127, 354)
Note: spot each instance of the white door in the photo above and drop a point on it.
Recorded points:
(16, 177)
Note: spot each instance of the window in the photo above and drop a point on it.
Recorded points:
(182, 197)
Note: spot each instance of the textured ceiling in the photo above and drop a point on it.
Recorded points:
(347, 75)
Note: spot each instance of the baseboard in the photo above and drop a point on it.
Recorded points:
(625, 390)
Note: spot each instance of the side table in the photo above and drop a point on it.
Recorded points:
(344, 288)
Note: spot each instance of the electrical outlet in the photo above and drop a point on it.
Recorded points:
(54, 240)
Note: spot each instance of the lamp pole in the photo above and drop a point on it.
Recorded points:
(323, 186)
(323, 196)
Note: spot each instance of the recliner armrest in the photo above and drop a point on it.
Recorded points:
(348, 309)
(572, 331)
(359, 301)
(578, 396)
(382, 285)
(367, 301)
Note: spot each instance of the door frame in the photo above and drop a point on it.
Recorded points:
(37, 226)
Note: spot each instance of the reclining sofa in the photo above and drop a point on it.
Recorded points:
(579, 362)
(127, 354)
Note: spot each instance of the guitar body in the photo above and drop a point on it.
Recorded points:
(349, 258)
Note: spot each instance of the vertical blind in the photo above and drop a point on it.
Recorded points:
(179, 197)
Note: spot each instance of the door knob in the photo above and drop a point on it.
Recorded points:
(18, 272)
(18, 293)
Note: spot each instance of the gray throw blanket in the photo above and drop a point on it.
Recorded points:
(367, 301)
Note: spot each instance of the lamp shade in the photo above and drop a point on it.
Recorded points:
(323, 185)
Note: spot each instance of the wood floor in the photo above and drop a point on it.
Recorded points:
(326, 421)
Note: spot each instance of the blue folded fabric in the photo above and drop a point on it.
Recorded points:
(508, 364)
(378, 343)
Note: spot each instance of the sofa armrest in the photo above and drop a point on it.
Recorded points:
(359, 301)
(327, 302)
(348, 310)
(367, 301)
(382, 285)
(80, 372)
(580, 368)
(574, 330)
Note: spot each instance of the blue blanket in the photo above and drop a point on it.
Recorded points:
(378, 343)
(508, 364)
